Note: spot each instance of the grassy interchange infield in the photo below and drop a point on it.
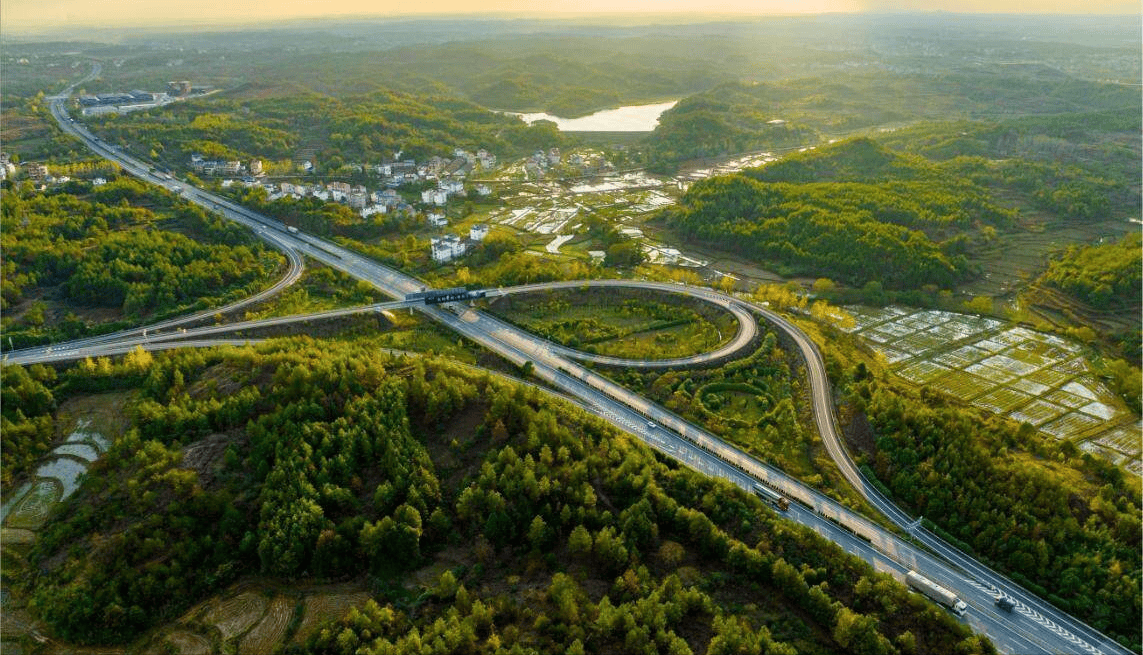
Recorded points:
(620, 322)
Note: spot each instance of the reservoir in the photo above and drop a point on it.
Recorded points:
(633, 118)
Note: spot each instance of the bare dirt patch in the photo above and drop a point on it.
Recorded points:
(321, 608)
(205, 455)
(234, 616)
(263, 637)
(187, 643)
(462, 428)
(105, 413)
(218, 381)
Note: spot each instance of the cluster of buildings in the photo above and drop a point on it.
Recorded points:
(7, 168)
(407, 171)
(450, 246)
(204, 166)
(121, 103)
(37, 173)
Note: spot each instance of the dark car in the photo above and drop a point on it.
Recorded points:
(1005, 603)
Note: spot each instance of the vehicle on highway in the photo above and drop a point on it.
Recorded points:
(291, 229)
(773, 497)
(651, 425)
(936, 592)
(1005, 603)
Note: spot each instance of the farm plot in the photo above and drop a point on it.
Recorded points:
(188, 643)
(32, 509)
(1106, 453)
(1071, 401)
(961, 357)
(1036, 378)
(962, 385)
(1099, 410)
(80, 450)
(919, 343)
(68, 471)
(894, 356)
(263, 637)
(991, 345)
(1002, 400)
(1006, 363)
(1028, 386)
(923, 372)
(1071, 424)
(952, 331)
(234, 616)
(1124, 439)
(322, 608)
(923, 320)
(1048, 377)
(997, 375)
(1135, 466)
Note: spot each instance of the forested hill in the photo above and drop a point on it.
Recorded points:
(741, 116)
(852, 211)
(367, 128)
(79, 258)
(855, 160)
(1106, 276)
(332, 461)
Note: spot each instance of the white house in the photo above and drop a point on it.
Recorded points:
(447, 248)
(437, 220)
(434, 197)
(478, 232)
(358, 199)
(451, 186)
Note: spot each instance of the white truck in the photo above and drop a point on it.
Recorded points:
(936, 592)
(773, 497)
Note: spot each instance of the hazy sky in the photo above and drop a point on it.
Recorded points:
(20, 15)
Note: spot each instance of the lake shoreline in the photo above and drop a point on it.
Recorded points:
(629, 118)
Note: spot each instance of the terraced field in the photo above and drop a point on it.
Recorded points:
(1041, 379)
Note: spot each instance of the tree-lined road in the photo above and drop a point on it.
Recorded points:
(1035, 628)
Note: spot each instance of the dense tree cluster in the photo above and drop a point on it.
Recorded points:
(773, 222)
(1106, 276)
(123, 246)
(328, 464)
(737, 116)
(718, 123)
(27, 428)
(1069, 532)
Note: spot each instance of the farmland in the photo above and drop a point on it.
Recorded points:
(1032, 377)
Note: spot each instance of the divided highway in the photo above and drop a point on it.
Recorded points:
(1036, 627)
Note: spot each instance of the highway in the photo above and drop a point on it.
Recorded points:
(1035, 627)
